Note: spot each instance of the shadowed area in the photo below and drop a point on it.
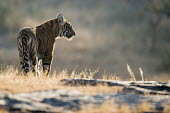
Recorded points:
(72, 101)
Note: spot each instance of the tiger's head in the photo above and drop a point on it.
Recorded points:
(66, 29)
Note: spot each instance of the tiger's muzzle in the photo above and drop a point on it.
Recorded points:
(70, 35)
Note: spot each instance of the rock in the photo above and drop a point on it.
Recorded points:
(69, 101)
(56, 101)
(139, 87)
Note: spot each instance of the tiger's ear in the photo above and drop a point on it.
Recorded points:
(60, 18)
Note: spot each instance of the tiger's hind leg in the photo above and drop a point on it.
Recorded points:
(36, 65)
(33, 59)
(23, 55)
(24, 68)
(33, 66)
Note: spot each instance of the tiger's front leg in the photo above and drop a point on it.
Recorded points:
(46, 69)
(47, 64)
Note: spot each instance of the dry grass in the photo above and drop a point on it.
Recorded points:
(162, 77)
(12, 82)
(20, 84)
(132, 75)
(2, 110)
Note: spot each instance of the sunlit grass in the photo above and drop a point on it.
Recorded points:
(11, 81)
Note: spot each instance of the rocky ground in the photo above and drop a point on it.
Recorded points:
(155, 94)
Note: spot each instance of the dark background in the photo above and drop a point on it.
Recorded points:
(109, 34)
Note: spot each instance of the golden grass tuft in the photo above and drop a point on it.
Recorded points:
(132, 75)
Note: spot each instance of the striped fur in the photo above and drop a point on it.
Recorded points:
(36, 45)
